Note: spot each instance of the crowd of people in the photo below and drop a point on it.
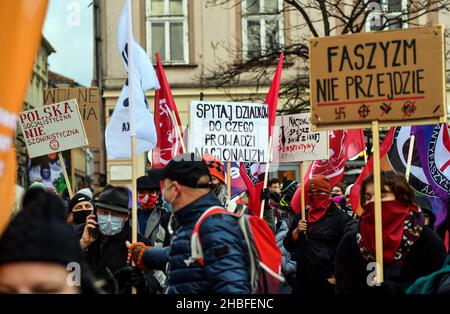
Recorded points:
(331, 250)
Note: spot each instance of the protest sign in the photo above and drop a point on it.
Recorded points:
(296, 140)
(53, 128)
(230, 131)
(395, 77)
(88, 103)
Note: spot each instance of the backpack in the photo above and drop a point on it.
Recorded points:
(264, 254)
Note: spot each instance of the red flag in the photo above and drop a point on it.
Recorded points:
(344, 144)
(368, 170)
(253, 176)
(168, 145)
(272, 96)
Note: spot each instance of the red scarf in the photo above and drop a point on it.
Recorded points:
(318, 206)
(394, 214)
(147, 201)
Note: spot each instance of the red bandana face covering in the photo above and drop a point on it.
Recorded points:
(147, 201)
(394, 214)
(318, 206)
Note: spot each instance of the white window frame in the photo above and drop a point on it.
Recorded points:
(262, 17)
(166, 19)
(384, 4)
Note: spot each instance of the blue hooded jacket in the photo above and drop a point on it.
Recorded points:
(225, 252)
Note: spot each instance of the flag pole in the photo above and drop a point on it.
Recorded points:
(410, 155)
(66, 176)
(266, 176)
(377, 190)
(302, 186)
(229, 180)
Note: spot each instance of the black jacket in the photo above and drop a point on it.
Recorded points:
(107, 255)
(315, 251)
(426, 256)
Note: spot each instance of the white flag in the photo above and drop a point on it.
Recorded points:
(141, 77)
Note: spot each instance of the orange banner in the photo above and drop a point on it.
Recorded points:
(20, 35)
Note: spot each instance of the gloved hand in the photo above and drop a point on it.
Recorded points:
(128, 277)
(136, 253)
(265, 195)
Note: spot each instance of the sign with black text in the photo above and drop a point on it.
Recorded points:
(296, 140)
(53, 128)
(230, 131)
(389, 76)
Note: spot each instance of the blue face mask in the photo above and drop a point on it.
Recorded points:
(110, 225)
(168, 205)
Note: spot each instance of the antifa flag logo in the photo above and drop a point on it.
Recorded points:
(169, 144)
(438, 161)
(255, 171)
(438, 165)
(335, 165)
(398, 157)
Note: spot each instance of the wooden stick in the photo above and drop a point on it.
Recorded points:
(66, 176)
(133, 190)
(410, 156)
(228, 180)
(266, 175)
(177, 127)
(365, 156)
(377, 190)
(72, 170)
(302, 186)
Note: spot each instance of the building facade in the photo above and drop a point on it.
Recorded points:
(33, 99)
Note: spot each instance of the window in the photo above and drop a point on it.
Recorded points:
(167, 30)
(389, 12)
(262, 26)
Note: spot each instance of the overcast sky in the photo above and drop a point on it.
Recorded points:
(68, 27)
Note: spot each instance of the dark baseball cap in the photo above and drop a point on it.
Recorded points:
(186, 169)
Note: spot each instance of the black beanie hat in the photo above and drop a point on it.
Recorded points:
(39, 233)
(77, 198)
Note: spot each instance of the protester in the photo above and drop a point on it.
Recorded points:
(314, 241)
(86, 191)
(149, 213)
(103, 239)
(338, 189)
(215, 167)
(284, 206)
(38, 250)
(429, 216)
(288, 266)
(271, 214)
(274, 186)
(80, 206)
(186, 190)
(436, 283)
(410, 251)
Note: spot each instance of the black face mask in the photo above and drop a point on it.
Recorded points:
(334, 195)
(79, 217)
(215, 188)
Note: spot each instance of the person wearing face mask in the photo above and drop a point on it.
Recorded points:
(410, 250)
(149, 214)
(38, 249)
(313, 242)
(80, 206)
(103, 239)
(187, 193)
(218, 186)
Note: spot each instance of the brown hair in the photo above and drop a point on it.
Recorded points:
(341, 186)
(397, 184)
